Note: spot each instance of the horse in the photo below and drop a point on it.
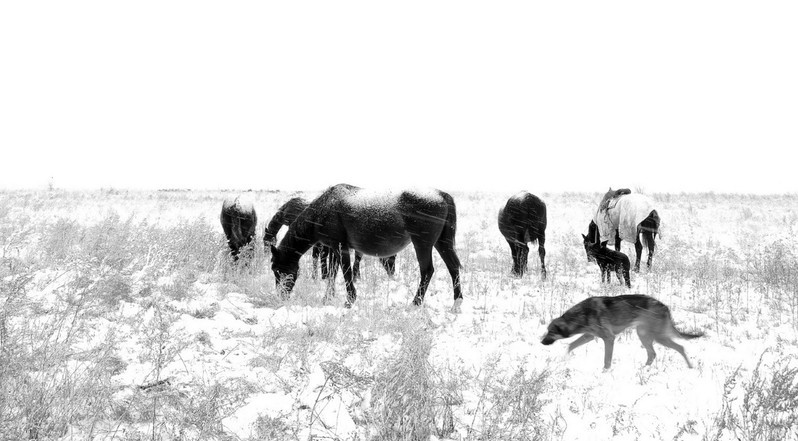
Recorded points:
(238, 220)
(523, 220)
(377, 223)
(629, 216)
(287, 213)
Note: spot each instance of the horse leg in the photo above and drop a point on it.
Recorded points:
(325, 256)
(617, 241)
(649, 237)
(638, 252)
(315, 257)
(228, 233)
(346, 267)
(542, 254)
(356, 266)
(424, 256)
(333, 261)
(523, 257)
(389, 263)
(514, 254)
(452, 262)
(334, 255)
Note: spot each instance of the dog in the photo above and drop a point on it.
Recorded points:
(608, 260)
(606, 317)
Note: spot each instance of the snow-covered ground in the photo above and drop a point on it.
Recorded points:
(123, 319)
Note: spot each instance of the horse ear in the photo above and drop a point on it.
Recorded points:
(604, 244)
(273, 249)
(584, 237)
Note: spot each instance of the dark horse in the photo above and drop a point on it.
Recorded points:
(626, 217)
(523, 220)
(238, 222)
(375, 223)
(287, 214)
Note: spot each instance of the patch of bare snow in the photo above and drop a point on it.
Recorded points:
(273, 405)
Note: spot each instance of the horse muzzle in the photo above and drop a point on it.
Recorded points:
(285, 285)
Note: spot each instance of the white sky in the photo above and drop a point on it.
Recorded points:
(461, 95)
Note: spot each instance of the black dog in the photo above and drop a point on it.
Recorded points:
(608, 260)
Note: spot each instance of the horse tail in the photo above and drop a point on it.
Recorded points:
(450, 227)
(651, 225)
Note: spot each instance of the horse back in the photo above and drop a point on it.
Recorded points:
(383, 222)
(524, 213)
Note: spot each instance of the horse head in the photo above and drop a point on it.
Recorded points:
(269, 240)
(285, 270)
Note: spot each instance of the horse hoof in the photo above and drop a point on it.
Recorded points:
(348, 305)
(456, 307)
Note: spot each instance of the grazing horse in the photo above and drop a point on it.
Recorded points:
(628, 216)
(238, 222)
(287, 213)
(523, 220)
(375, 223)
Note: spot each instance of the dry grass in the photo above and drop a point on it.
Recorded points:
(122, 317)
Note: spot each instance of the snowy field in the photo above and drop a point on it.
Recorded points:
(121, 317)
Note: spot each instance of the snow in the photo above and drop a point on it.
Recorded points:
(230, 329)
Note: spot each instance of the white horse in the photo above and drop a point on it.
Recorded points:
(627, 217)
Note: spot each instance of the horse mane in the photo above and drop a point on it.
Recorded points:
(318, 210)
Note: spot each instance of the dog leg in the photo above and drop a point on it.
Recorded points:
(609, 343)
(648, 344)
(666, 341)
(584, 338)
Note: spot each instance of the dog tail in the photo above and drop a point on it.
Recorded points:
(686, 335)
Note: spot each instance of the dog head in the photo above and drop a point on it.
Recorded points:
(593, 248)
(588, 243)
(557, 329)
